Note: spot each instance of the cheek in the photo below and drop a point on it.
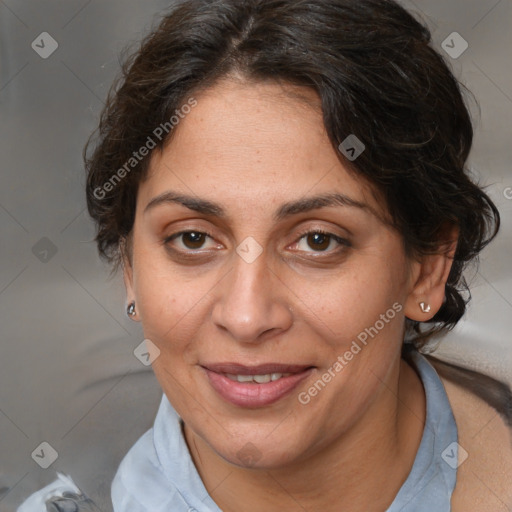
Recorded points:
(166, 301)
(360, 322)
(354, 299)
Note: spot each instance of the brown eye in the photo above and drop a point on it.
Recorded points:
(189, 240)
(193, 239)
(318, 241)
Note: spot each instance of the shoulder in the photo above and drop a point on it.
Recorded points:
(482, 407)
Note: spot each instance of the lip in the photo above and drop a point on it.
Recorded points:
(260, 369)
(251, 394)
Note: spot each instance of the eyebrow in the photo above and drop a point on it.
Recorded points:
(288, 209)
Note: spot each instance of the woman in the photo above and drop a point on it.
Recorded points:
(283, 183)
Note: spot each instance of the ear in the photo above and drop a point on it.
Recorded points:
(428, 279)
(126, 261)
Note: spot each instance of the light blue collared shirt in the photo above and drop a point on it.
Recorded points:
(158, 473)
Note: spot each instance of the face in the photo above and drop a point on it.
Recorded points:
(250, 277)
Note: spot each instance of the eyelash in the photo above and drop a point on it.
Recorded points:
(190, 253)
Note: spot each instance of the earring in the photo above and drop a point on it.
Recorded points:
(131, 308)
(424, 307)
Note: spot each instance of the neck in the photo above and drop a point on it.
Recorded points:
(363, 469)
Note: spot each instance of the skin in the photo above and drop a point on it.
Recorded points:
(252, 147)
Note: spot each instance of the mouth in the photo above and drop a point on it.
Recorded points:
(255, 386)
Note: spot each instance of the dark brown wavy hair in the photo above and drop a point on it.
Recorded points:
(373, 66)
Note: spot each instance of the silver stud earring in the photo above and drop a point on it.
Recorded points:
(131, 308)
(424, 307)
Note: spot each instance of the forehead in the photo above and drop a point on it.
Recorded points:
(253, 143)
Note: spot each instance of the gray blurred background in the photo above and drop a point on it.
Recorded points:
(68, 374)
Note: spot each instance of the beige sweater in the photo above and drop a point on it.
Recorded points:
(482, 408)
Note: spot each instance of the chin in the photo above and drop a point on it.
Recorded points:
(266, 453)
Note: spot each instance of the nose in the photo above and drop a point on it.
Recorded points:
(253, 302)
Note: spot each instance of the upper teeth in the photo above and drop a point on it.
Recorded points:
(260, 379)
